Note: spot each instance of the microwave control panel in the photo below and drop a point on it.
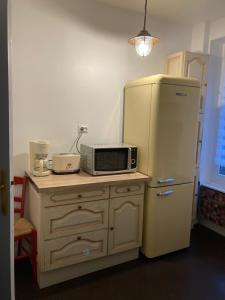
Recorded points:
(133, 158)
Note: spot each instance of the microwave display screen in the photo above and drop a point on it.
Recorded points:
(111, 159)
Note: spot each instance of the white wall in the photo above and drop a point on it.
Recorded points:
(70, 61)
(200, 37)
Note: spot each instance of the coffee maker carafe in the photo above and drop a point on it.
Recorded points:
(38, 158)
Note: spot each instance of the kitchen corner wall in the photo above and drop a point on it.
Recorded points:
(70, 61)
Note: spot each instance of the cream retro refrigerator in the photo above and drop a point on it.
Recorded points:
(161, 118)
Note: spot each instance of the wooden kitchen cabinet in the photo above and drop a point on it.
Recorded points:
(190, 64)
(85, 223)
(125, 223)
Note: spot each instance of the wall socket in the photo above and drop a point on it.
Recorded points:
(82, 128)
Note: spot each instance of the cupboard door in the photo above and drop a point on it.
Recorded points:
(125, 223)
(74, 249)
(175, 64)
(196, 67)
(167, 219)
(71, 219)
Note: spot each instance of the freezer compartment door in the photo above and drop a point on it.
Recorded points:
(167, 219)
(173, 138)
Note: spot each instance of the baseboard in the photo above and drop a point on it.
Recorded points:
(218, 229)
(194, 222)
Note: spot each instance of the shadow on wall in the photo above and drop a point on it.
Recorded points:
(109, 21)
(94, 15)
(20, 163)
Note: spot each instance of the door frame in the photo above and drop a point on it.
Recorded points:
(6, 221)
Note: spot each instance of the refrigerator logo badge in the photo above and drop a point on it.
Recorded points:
(181, 94)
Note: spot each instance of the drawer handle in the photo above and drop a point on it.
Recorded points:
(79, 196)
(79, 238)
(111, 228)
(128, 190)
(166, 193)
(79, 207)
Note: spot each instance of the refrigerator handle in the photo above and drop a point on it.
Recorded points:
(166, 180)
(166, 193)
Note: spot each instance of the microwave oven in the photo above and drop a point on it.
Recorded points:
(108, 159)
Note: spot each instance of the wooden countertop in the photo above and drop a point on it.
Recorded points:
(82, 179)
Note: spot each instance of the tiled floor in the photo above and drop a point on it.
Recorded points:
(197, 273)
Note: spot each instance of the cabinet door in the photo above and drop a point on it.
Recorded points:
(175, 64)
(125, 223)
(196, 67)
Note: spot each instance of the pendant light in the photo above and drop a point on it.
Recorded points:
(144, 41)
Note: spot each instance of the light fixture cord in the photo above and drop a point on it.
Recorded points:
(146, 3)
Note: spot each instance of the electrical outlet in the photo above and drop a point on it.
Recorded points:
(82, 128)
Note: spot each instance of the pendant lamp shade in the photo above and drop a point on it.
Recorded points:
(144, 41)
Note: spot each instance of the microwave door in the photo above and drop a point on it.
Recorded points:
(111, 160)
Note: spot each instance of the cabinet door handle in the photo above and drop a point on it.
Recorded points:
(79, 238)
(166, 193)
(111, 228)
(79, 207)
(166, 180)
(79, 196)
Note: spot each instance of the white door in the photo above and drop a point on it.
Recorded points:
(6, 240)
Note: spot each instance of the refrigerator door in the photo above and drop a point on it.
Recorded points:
(174, 133)
(167, 219)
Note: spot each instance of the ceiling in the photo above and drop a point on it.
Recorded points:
(181, 11)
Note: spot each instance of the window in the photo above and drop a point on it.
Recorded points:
(222, 171)
(212, 168)
(220, 151)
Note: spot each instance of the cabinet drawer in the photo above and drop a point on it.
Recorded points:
(126, 190)
(74, 249)
(77, 218)
(75, 196)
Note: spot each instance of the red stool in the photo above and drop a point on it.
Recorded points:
(24, 230)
